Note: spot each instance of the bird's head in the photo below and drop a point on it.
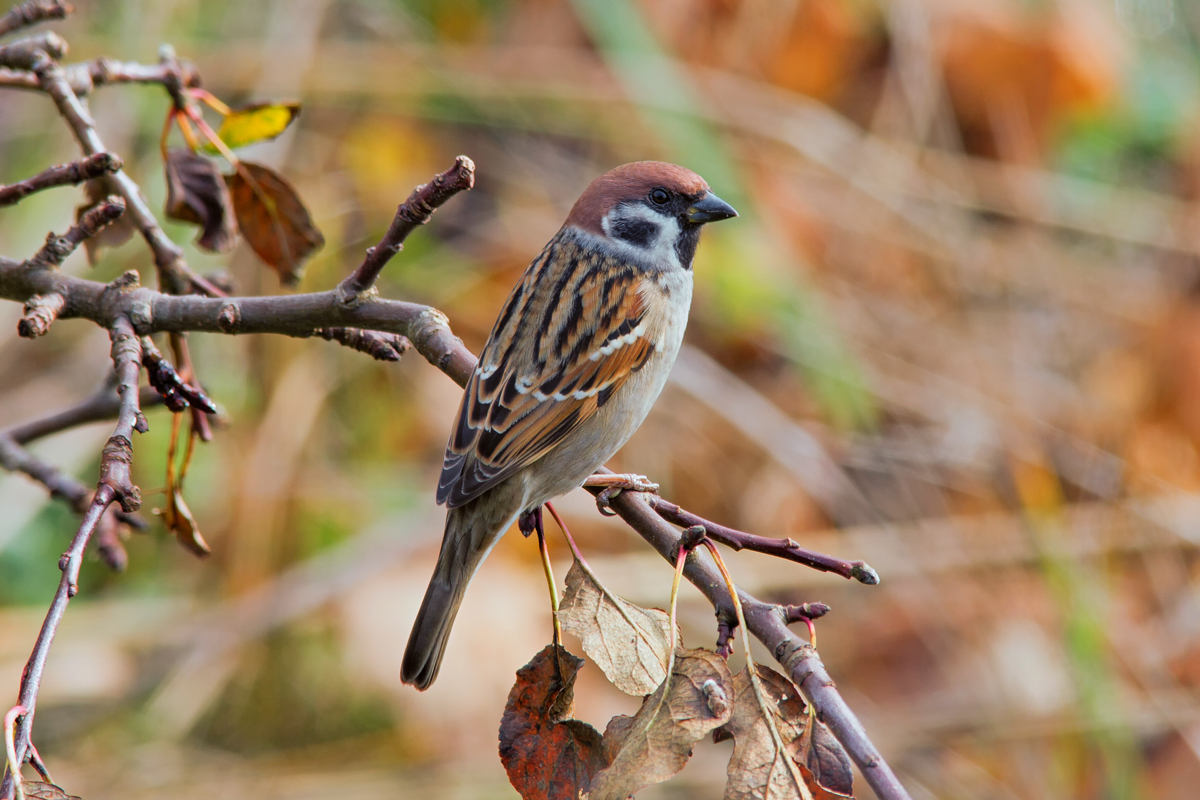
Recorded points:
(652, 207)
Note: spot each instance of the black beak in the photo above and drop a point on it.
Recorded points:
(710, 208)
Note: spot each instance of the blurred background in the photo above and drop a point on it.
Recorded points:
(955, 333)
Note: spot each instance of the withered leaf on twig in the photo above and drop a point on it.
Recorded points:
(546, 754)
(179, 520)
(758, 769)
(655, 743)
(196, 193)
(115, 233)
(629, 643)
(823, 761)
(45, 791)
(273, 219)
(254, 123)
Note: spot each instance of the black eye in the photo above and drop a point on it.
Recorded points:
(659, 196)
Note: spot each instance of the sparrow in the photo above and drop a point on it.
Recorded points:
(578, 355)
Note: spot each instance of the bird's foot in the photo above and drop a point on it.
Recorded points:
(614, 485)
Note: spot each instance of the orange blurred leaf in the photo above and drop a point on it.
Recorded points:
(273, 219)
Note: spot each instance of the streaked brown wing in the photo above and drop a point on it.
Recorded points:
(567, 339)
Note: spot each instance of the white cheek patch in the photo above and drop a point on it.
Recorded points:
(659, 250)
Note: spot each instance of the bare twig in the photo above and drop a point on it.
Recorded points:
(40, 312)
(414, 211)
(379, 346)
(57, 248)
(74, 172)
(177, 393)
(85, 76)
(26, 53)
(103, 405)
(31, 12)
(780, 548)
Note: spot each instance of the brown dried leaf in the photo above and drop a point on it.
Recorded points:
(196, 193)
(45, 791)
(273, 219)
(546, 754)
(758, 769)
(819, 792)
(822, 758)
(655, 743)
(629, 643)
(179, 520)
(115, 233)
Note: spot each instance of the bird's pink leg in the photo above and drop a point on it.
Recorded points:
(614, 484)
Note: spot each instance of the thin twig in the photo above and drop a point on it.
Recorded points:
(57, 248)
(780, 548)
(39, 314)
(31, 12)
(26, 53)
(413, 212)
(74, 172)
(379, 346)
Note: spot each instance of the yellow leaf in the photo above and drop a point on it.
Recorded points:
(254, 123)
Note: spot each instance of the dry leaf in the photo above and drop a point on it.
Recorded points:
(819, 792)
(179, 520)
(822, 758)
(196, 193)
(545, 753)
(273, 220)
(254, 123)
(45, 791)
(758, 770)
(655, 743)
(629, 643)
(115, 233)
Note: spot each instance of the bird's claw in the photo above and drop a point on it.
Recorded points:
(614, 485)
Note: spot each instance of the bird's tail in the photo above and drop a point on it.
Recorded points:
(471, 532)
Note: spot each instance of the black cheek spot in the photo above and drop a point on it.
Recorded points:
(638, 232)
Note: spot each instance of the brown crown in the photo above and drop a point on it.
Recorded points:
(630, 182)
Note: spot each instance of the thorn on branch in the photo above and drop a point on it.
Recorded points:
(32, 51)
(57, 248)
(414, 211)
(40, 312)
(176, 393)
(379, 346)
(75, 172)
(31, 12)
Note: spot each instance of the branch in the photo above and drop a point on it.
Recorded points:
(25, 54)
(85, 76)
(768, 623)
(414, 211)
(75, 172)
(31, 12)
(115, 485)
(780, 548)
(379, 346)
(57, 248)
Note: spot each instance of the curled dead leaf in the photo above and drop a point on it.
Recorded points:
(822, 757)
(115, 233)
(273, 219)
(655, 743)
(36, 790)
(179, 520)
(254, 123)
(196, 193)
(630, 644)
(546, 754)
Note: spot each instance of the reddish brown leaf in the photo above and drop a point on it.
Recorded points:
(546, 754)
(196, 193)
(179, 520)
(115, 233)
(655, 743)
(820, 792)
(273, 219)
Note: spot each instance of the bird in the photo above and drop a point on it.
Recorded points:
(577, 357)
